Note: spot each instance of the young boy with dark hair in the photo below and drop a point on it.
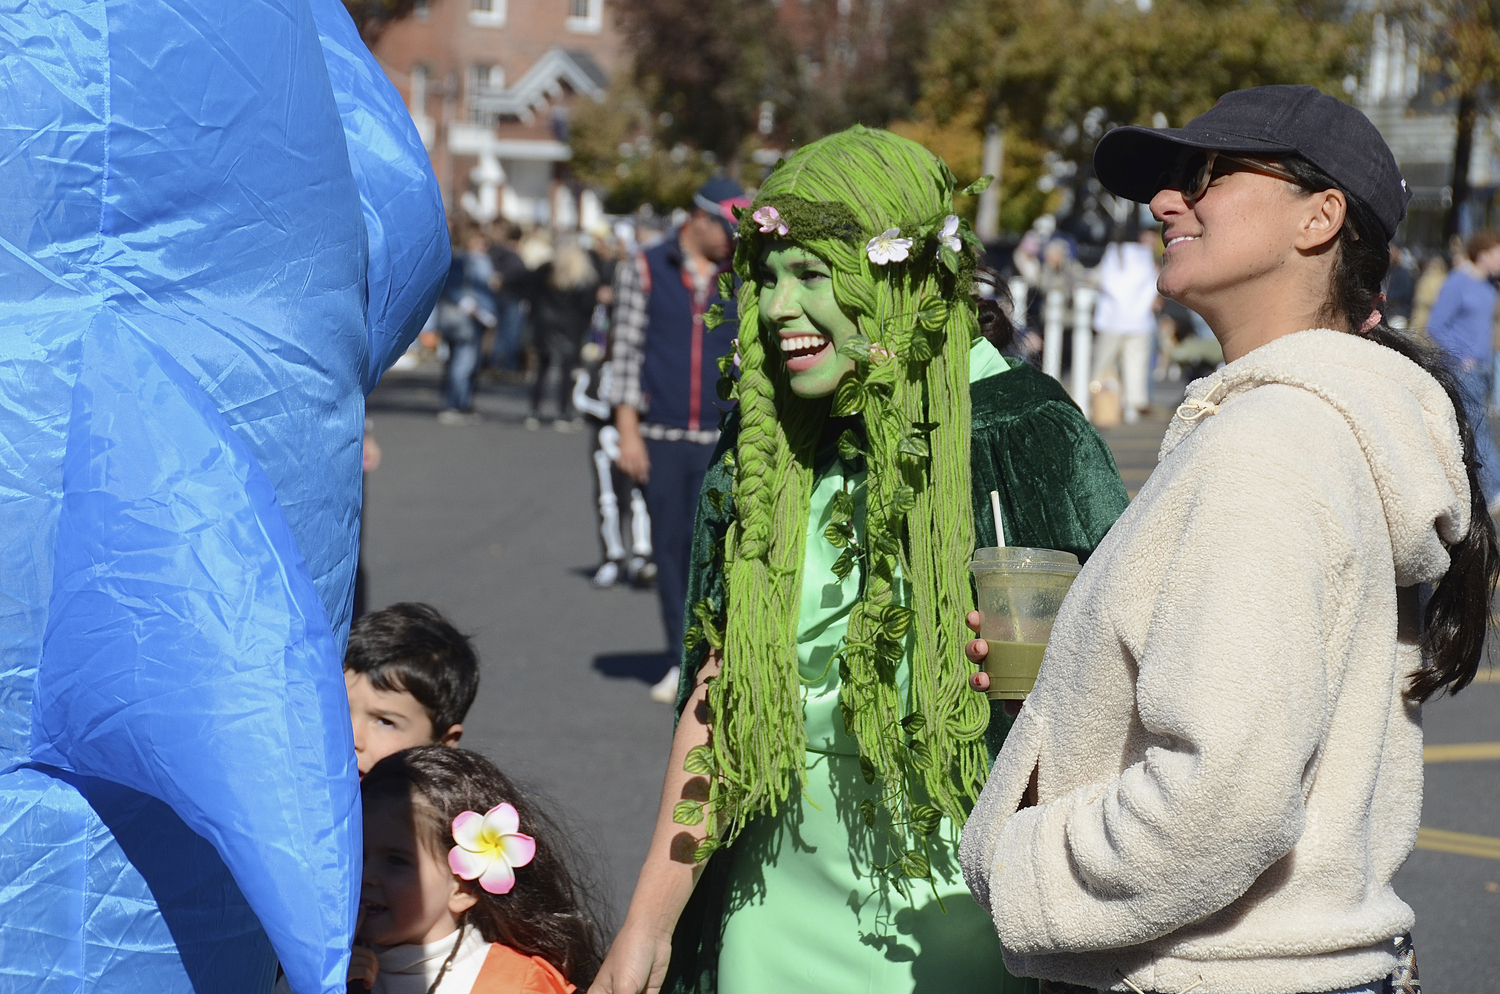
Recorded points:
(411, 678)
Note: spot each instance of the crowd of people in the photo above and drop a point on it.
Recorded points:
(814, 393)
(837, 791)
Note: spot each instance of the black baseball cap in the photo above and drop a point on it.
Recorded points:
(1267, 122)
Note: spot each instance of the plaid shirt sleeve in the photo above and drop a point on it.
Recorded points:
(628, 340)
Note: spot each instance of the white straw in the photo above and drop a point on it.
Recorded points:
(999, 519)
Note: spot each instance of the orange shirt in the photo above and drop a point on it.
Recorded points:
(506, 971)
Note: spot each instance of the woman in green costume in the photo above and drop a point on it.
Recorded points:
(828, 747)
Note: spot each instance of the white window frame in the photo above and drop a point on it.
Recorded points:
(492, 18)
(493, 77)
(592, 23)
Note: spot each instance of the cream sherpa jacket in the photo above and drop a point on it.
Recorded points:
(1228, 774)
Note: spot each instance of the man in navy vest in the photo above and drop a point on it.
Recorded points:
(664, 389)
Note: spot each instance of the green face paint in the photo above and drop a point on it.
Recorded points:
(798, 307)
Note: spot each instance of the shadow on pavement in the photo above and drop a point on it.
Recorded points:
(647, 667)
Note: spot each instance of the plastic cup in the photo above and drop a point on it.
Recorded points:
(1020, 591)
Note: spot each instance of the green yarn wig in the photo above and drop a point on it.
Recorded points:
(911, 388)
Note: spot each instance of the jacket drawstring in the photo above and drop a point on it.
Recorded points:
(1196, 408)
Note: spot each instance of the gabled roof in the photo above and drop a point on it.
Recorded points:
(543, 83)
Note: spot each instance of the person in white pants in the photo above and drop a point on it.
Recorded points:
(1125, 318)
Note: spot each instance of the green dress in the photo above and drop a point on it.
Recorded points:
(792, 905)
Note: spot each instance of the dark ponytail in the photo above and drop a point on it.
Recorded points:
(1458, 612)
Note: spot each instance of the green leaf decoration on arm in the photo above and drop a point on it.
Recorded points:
(849, 449)
(841, 507)
(849, 398)
(704, 612)
(688, 812)
(977, 187)
(699, 761)
(726, 285)
(705, 849)
(713, 317)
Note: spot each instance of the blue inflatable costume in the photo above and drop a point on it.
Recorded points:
(217, 228)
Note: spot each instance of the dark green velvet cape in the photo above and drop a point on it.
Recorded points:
(1059, 489)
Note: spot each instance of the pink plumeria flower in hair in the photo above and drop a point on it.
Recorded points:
(489, 848)
(888, 247)
(770, 221)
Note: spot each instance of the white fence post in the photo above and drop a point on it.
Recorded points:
(1052, 332)
(1083, 345)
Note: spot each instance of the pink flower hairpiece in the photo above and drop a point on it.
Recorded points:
(490, 848)
(770, 221)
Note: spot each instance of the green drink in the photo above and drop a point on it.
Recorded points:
(1012, 667)
(1020, 591)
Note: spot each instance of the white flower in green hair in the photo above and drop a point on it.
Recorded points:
(888, 247)
(948, 237)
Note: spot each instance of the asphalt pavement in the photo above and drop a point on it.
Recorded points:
(495, 526)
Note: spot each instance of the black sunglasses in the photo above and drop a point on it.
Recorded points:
(1195, 171)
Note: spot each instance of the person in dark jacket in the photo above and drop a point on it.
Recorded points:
(562, 293)
(665, 364)
(510, 312)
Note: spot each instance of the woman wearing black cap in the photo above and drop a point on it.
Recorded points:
(1220, 769)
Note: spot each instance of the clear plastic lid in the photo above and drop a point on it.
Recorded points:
(1013, 558)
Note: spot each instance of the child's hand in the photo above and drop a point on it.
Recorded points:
(363, 966)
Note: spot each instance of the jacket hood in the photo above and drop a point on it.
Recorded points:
(1400, 416)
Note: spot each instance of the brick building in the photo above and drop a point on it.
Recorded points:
(489, 84)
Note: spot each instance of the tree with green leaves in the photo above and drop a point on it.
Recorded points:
(707, 65)
(617, 149)
(1061, 72)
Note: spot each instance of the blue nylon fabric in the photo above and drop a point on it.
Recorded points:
(217, 227)
(396, 188)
